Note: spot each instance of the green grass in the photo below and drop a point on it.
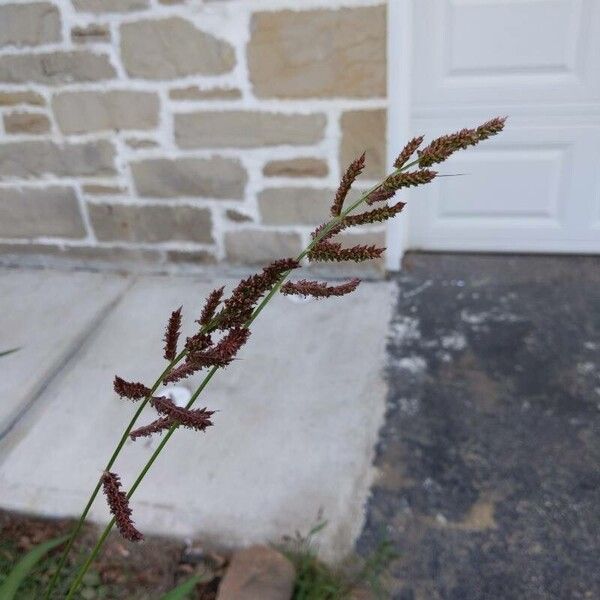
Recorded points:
(34, 585)
(315, 580)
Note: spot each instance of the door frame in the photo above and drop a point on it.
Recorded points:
(399, 93)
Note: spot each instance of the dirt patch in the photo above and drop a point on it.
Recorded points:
(123, 570)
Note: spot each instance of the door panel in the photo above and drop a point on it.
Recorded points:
(525, 51)
(533, 188)
(536, 187)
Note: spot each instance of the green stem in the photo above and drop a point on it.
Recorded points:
(140, 477)
(108, 466)
(332, 223)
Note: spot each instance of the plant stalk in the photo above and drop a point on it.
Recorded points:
(109, 464)
(332, 223)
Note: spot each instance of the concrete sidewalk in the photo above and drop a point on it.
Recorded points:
(295, 432)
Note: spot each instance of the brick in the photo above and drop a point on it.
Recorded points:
(193, 92)
(23, 122)
(319, 53)
(49, 212)
(21, 97)
(151, 224)
(291, 205)
(37, 158)
(253, 246)
(296, 167)
(207, 177)
(172, 48)
(55, 68)
(246, 129)
(191, 257)
(92, 33)
(29, 24)
(84, 112)
(364, 130)
(108, 6)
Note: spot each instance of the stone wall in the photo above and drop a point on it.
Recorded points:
(182, 132)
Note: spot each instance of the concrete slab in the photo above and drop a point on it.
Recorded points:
(46, 314)
(295, 433)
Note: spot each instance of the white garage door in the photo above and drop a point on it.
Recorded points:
(536, 187)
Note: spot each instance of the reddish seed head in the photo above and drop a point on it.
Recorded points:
(381, 194)
(237, 309)
(374, 216)
(333, 251)
(157, 426)
(198, 342)
(131, 390)
(409, 179)
(172, 334)
(443, 147)
(210, 306)
(197, 419)
(226, 349)
(352, 172)
(119, 506)
(318, 289)
(182, 371)
(408, 151)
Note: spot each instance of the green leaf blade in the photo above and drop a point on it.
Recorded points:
(183, 590)
(21, 570)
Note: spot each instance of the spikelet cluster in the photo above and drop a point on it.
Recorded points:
(198, 419)
(157, 426)
(333, 251)
(408, 151)
(210, 306)
(352, 172)
(381, 194)
(318, 289)
(119, 506)
(409, 179)
(377, 215)
(443, 147)
(172, 334)
(237, 309)
(131, 390)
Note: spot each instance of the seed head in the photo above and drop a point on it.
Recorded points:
(409, 179)
(187, 368)
(210, 306)
(172, 334)
(381, 194)
(131, 390)
(333, 251)
(443, 147)
(352, 172)
(318, 289)
(237, 309)
(198, 342)
(408, 151)
(157, 426)
(119, 506)
(376, 215)
(197, 419)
